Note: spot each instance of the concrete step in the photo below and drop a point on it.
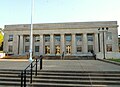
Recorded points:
(63, 85)
(76, 79)
(79, 74)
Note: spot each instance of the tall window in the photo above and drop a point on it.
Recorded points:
(27, 39)
(10, 49)
(57, 49)
(47, 49)
(90, 37)
(108, 35)
(26, 48)
(78, 39)
(90, 48)
(47, 38)
(109, 47)
(10, 38)
(37, 38)
(36, 48)
(68, 49)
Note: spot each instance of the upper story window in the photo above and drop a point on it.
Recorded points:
(68, 38)
(78, 37)
(37, 38)
(57, 38)
(10, 38)
(47, 38)
(27, 39)
(90, 37)
(108, 35)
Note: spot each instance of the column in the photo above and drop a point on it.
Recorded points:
(73, 44)
(15, 44)
(41, 45)
(96, 43)
(101, 42)
(5, 44)
(52, 44)
(21, 50)
(85, 46)
(62, 43)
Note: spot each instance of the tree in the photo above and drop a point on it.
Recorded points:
(1, 37)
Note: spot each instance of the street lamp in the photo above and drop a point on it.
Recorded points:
(103, 30)
(31, 31)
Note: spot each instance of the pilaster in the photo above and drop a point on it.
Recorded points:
(41, 44)
(73, 44)
(85, 45)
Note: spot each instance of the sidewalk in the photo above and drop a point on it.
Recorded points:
(79, 65)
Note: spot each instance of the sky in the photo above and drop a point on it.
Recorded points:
(55, 11)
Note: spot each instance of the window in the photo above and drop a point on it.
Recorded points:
(36, 48)
(90, 48)
(109, 47)
(119, 41)
(57, 38)
(26, 48)
(27, 39)
(57, 50)
(37, 38)
(79, 49)
(90, 37)
(108, 35)
(68, 38)
(47, 38)
(10, 49)
(78, 38)
(10, 38)
(68, 49)
(119, 49)
(47, 49)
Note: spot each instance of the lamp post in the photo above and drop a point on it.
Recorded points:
(103, 30)
(31, 31)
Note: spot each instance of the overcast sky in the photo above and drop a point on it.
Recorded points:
(52, 11)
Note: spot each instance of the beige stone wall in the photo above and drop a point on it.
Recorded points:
(18, 31)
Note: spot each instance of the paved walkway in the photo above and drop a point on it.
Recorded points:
(79, 65)
(68, 65)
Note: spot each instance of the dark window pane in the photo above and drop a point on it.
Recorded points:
(36, 48)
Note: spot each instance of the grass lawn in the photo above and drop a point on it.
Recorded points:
(116, 60)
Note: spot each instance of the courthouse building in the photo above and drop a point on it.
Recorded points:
(72, 38)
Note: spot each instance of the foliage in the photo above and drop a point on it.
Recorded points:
(1, 38)
(116, 60)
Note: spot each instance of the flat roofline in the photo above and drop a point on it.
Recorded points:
(65, 23)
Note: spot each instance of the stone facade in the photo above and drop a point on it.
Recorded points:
(73, 38)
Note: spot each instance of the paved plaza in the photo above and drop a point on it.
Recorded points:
(68, 65)
(63, 65)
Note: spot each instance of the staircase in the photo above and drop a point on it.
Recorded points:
(9, 78)
(76, 79)
(47, 78)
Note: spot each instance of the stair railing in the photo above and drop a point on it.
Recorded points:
(29, 71)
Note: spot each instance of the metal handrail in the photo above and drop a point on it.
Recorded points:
(31, 66)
